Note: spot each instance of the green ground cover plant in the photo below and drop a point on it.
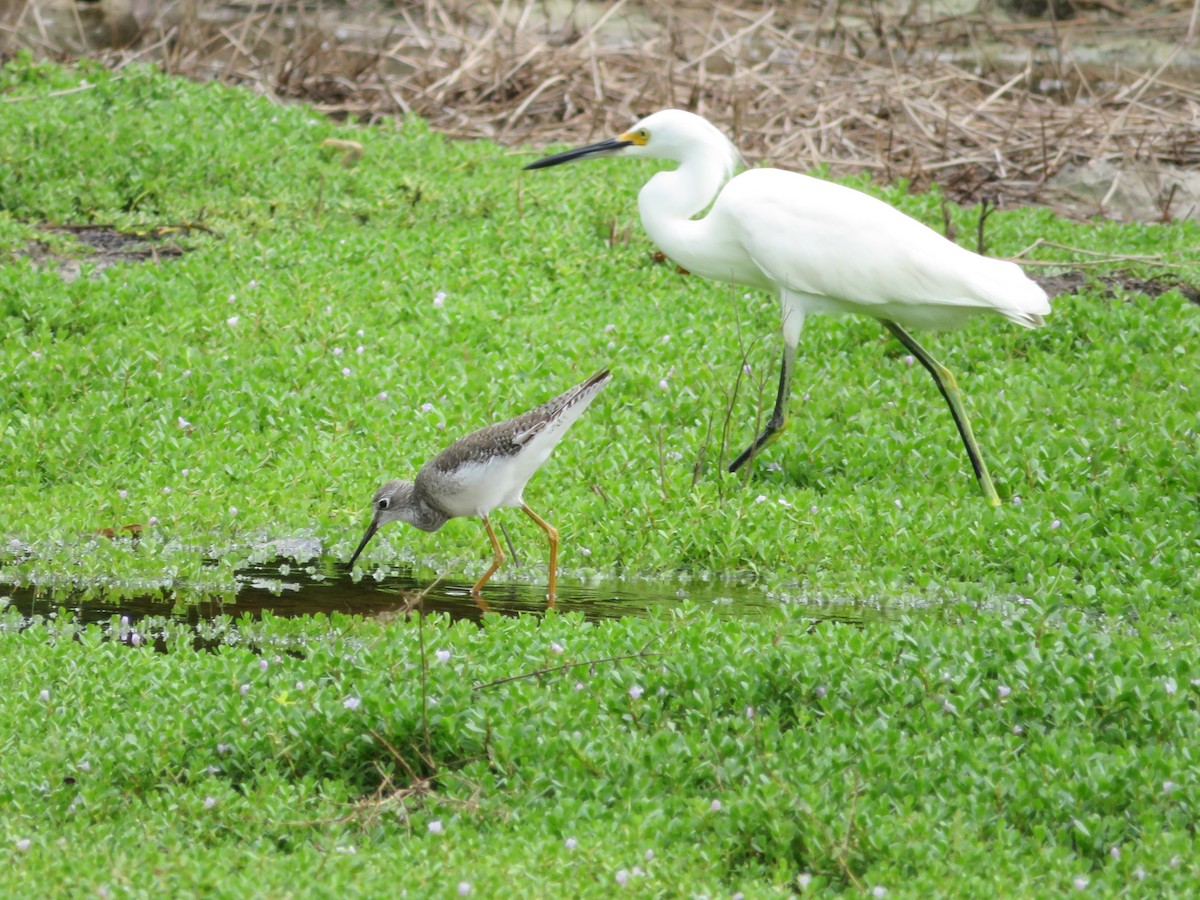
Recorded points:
(329, 326)
(1013, 752)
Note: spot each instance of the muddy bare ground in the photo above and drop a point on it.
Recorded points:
(1093, 108)
(102, 246)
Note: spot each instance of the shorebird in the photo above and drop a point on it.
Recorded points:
(821, 247)
(486, 469)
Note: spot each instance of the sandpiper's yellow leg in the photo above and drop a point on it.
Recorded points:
(497, 558)
(552, 534)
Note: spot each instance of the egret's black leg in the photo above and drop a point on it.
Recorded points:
(779, 417)
(944, 379)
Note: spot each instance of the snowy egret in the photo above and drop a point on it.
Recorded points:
(486, 469)
(822, 247)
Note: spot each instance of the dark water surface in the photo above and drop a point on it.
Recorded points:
(283, 589)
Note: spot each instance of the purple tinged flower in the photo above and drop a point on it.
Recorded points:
(1016, 501)
(622, 877)
(1114, 851)
(245, 689)
(210, 802)
(760, 498)
(556, 647)
(85, 766)
(1018, 730)
(609, 328)
(153, 520)
(1080, 883)
(666, 339)
(1169, 787)
(879, 892)
(464, 888)
(135, 640)
(803, 880)
(1003, 691)
(715, 806)
(352, 703)
(44, 696)
(571, 843)
(166, 491)
(183, 423)
(663, 385)
(821, 691)
(232, 321)
(122, 494)
(360, 349)
(635, 691)
(908, 361)
(337, 351)
(223, 749)
(263, 665)
(24, 844)
(443, 656)
(649, 855)
(435, 827)
(439, 299)
(233, 511)
(426, 407)
(383, 395)
(1170, 686)
(346, 372)
(1055, 524)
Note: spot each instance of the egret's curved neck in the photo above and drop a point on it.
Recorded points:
(670, 199)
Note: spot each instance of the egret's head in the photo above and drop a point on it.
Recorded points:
(667, 134)
(393, 501)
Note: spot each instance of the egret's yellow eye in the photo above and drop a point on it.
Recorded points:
(638, 137)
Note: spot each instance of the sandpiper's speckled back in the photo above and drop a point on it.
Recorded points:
(490, 467)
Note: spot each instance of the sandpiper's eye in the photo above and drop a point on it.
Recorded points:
(383, 503)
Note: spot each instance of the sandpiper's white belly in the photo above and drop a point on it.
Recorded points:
(475, 489)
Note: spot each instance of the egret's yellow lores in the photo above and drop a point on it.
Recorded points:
(822, 247)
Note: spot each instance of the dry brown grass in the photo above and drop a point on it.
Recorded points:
(985, 106)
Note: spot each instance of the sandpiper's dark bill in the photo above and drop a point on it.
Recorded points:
(602, 148)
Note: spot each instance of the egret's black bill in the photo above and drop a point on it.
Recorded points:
(603, 148)
(371, 529)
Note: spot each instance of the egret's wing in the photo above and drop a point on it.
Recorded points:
(814, 237)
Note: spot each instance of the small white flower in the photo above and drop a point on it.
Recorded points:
(821, 691)
(346, 371)
(571, 843)
(439, 299)
(435, 827)
(610, 328)
(183, 423)
(24, 844)
(383, 395)
(231, 298)
(584, 551)
(899, 505)
(360, 333)
(803, 880)
(123, 494)
(1114, 852)
(1016, 501)
(908, 361)
(1139, 873)
(223, 749)
(44, 696)
(426, 407)
(85, 766)
(760, 498)
(231, 321)
(1055, 524)
(635, 691)
(337, 351)
(352, 703)
(185, 472)
(746, 370)
(1169, 787)
(253, 284)
(166, 490)
(245, 689)
(299, 685)
(1170, 686)
(36, 354)
(579, 685)
(263, 665)
(329, 309)
(556, 647)
(135, 640)
(153, 520)
(749, 712)
(233, 510)
(783, 502)
(948, 707)
(715, 806)
(663, 385)
(443, 656)
(210, 802)
(464, 888)
(1003, 691)
(623, 877)
(666, 339)
(360, 349)
(1080, 883)
(878, 892)
(1018, 730)
(649, 855)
